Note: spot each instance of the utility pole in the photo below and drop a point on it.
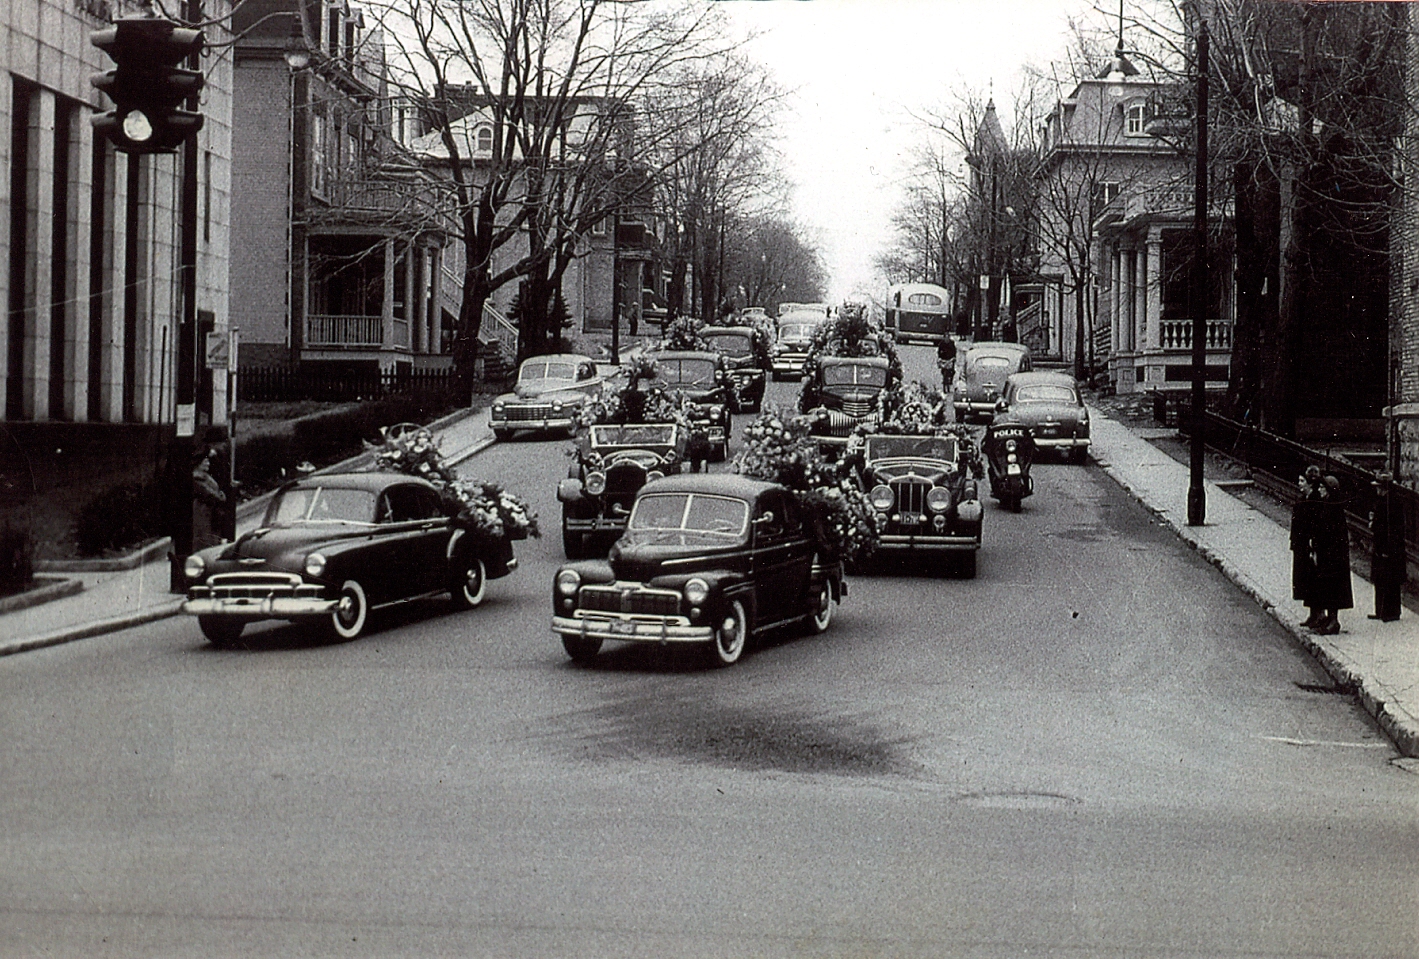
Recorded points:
(1196, 494)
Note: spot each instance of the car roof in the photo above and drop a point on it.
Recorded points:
(741, 330)
(1051, 377)
(840, 360)
(990, 346)
(723, 484)
(374, 481)
(558, 358)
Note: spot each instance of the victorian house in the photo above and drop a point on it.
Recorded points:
(340, 252)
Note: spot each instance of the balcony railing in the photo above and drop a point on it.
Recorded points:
(1177, 334)
(328, 329)
(385, 197)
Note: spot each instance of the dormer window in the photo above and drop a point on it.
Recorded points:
(1135, 118)
(485, 140)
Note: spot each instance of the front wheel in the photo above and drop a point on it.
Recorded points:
(348, 618)
(731, 635)
(469, 584)
(220, 630)
(1078, 456)
(581, 650)
(822, 615)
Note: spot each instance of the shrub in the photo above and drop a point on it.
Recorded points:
(16, 558)
(119, 517)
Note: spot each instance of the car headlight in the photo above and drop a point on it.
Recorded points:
(695, 591)
(556, 406)
(596, 483)
(194, 567)
(499, 408)
(315, 565)
(938, 500)
(568, 582)
(881, 497)
(669, 457)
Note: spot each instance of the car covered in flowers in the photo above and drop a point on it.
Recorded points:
(844, 392)
(791, 344)
(611, 463)
(706, 559)
(1049, 405)
(923, 492)
(700, 382)
(548, 396)
(981, 376)
(746, 350)
(332, 548)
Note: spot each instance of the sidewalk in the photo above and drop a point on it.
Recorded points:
(1379, 660)
(111, 601)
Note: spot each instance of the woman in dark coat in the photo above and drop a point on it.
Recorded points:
(1303, 560)
(1330, 541)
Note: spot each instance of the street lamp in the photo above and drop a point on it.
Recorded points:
(1196, 494)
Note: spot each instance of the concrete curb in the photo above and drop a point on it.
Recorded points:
(57, 587)
(112, 625)
(139, 557)
(1402, 729)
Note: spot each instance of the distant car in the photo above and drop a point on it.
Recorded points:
(980, 377)
(703, 379)
(711, 559)
(795, 337)
(844, 391)
(925, 496)
(332, 548)
(1050, 405)
(549, 395)
(613, 462)
(748, 358)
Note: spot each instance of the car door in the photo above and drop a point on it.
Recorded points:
(412, 539)
(782, 556)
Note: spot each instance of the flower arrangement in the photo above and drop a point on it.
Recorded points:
(634, 404)
(485, 510)
(918, 410)
(778, 447)
(683, 333)
(851, 333)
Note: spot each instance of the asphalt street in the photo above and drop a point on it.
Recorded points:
(1096, 747)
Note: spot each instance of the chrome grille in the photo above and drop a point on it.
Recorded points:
(910, 495)
(254, 586)
(645, 602)
(857, 408)
(539, 412)
(624, 478)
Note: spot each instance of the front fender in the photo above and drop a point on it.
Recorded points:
(570, 491)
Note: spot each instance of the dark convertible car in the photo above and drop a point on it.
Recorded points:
(706, 558)
(925, 496)
(332, 548)
(613, 461)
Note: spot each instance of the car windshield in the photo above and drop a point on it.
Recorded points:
(925, 447)
(1046, 394)
(547, 371)
(690, 513)
(685, 372)
(850, 374)
(730, 344)
(652, 434)
(795, 331)
(322, 504)
(992, 362)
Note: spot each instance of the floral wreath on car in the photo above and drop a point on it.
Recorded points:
(486, 511)
(851, 333)
(762, 332)
(631, 404)
(682, 333)
(778, 447)
(915, 409)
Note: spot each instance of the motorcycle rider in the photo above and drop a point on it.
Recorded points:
(946, 360)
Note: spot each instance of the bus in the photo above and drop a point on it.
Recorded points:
(918, 311)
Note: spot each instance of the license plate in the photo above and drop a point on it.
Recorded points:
(911, 519)
(623, 626)
(1013, 469)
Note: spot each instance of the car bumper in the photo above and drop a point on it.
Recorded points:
(550, 423)
(890, 542)
(634, 629)
(1063, 443)
(790, 365)
(266, 607)
(596, 524)
(983, 407)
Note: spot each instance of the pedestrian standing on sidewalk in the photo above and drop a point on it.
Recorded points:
(1303, 558)
(1387, 560)
(1330, 541)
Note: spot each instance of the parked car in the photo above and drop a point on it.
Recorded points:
(332, 548)
(704, 380)
(747, 353)
(1050, 406)
(923, 489)
(712, 559)
(981, 375)
(549, 395)
(844, 392)
(795, 337)
(612, 462)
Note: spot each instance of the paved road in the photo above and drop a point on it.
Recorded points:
(1097, 747)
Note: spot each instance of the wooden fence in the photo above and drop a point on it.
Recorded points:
(284, 384)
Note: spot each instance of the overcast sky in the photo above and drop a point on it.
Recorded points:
(858, 66)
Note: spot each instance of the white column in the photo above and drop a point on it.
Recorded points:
(38, 276)
(1116, 317)
(386, 309)
(1153, 292)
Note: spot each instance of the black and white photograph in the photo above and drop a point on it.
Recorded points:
(696, 479)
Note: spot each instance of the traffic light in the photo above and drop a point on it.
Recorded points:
(149, 87)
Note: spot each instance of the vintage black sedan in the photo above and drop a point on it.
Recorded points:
(843, 391)
(332, 548)
(712, 559)
(611, 463)
(1048, 404)
(746, 350)
(981, 375)
(549, 395)
(703, 379)
(923, 489)
(794, 340)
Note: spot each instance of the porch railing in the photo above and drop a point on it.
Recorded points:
(341, 330)
(1177, 334)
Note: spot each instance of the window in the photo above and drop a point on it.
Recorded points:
(1135, 115)
(1102, 194)
(599, 227)
(319, 161)
(485, 140)
(334, 32)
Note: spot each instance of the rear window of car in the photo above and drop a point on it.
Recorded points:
(991, 362)
(795, 331)
(691, 512)
(731, 344)
(685, 372)
(1046, 394)
(322, 504)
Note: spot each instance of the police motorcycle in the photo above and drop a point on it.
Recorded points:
(1009, 449)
